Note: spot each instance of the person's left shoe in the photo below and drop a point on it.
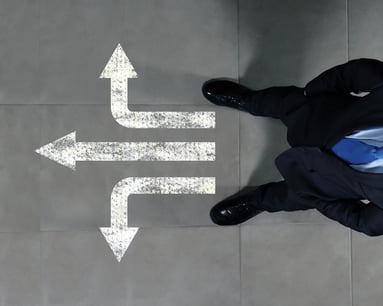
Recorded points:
(233, 211)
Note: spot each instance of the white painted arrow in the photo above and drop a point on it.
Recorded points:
(119, 70)
(67, 151)
(119, 235)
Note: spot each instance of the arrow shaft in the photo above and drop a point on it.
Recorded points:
(119, 235)
(153, 185)
(148, 151)
(125, 117)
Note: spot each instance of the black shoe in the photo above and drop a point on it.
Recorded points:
(224, 92)
(233, 211)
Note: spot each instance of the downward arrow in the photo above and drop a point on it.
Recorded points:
(67, 151)
(119, 235)
(119, 70)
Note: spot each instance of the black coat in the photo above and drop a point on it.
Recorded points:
(329, 114)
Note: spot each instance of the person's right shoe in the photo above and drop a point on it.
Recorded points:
(234, 210)
(228, 93)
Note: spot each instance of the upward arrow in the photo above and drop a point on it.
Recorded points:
(119, 69)
(118, 66)
(67, 151)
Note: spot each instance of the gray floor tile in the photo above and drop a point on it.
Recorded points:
(289, 42)
(295, 264)
(364, 24)
(20, 269)
(19, 168)
(174, 47)
(19, 60)
(78, 268)
(261, 141)
(81, 199)
(367, 269)
(70, 35)
(184, 267)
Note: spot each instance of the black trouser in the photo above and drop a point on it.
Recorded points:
(280, 102)
(277, 102)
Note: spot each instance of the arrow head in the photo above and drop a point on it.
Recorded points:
(118, 66)
(61, 150)
(119, 239)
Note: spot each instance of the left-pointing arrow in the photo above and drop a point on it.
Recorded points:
(67, 151)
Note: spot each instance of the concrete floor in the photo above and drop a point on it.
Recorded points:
(51, 250)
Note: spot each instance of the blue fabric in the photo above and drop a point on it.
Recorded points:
(356, 152)
(362, 150)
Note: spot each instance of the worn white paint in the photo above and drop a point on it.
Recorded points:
(119, 69)
(67, 151)
(119, 235)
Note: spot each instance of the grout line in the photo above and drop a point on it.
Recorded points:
(347, 33)
(175, 226)
(238, 63)
(156, 227)
(239, 161)
(204, 104)
(350, 231)
(108, 104)
(40, 136)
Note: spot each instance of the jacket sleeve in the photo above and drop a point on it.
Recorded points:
(357, 75)
(364, 218)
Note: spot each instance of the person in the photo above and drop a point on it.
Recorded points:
(335, 130)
